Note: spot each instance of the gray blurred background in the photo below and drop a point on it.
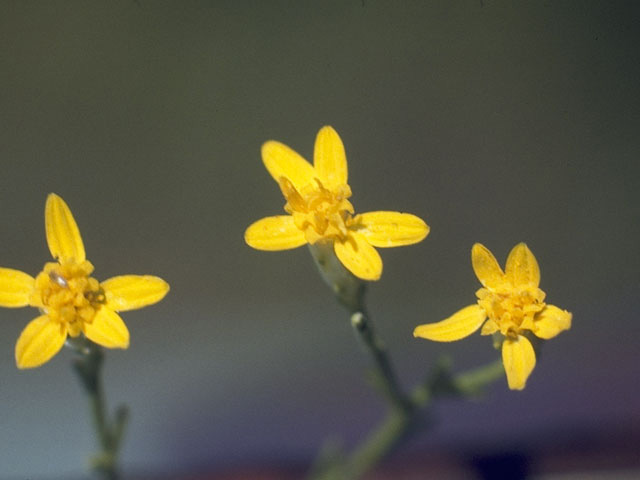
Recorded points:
(496, 122)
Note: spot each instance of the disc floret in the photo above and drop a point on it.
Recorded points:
(68, 294)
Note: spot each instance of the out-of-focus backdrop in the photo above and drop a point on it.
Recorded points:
(495, 121)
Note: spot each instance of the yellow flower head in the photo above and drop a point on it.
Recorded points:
(319, 209)
(512, 304)
(70, 300)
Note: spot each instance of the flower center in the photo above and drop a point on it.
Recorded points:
(68, 295)
(322, 214)
(510, 309)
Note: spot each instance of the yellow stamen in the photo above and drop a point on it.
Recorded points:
(511, 310)
(322, 214)
(67, 294)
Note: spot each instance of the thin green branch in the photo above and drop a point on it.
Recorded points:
(407, 412)
(88, 366)
(384, 375)
(400, 424)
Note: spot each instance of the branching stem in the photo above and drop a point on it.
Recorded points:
(407, 413)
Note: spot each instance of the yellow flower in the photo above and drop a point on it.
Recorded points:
(70, 300)
(512, 304)
(319, 210)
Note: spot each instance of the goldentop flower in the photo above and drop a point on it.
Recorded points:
(510, 305)
(320, 211)
(70, 300)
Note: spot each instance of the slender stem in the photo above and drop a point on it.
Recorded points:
(384, 374)
(381, 442)
(400, 423)
(407, 413)
(88, 366)
(97, 403)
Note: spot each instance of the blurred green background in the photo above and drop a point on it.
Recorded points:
(495, 121)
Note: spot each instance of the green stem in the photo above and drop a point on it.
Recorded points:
(88, 366)
(384, 375)
(391, 432)
(407, 413)
(400, 423)
(348, 289)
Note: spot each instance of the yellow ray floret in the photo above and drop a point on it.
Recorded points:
(63, 235)
(518, 359)
(275, 233)
(39, 341)
(510, 304)
(320, 211)
(15, 288)
(458, 326)
(71, 301)
(129, 292)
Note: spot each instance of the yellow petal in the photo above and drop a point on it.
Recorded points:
(274, 233)
(15, 288)
(522, 267)
(107, 329)
(551, 321)
(359, 257)
(128, 292)
(519, 359)
(390, 229)
(459, 325)
(329, 158)
(486, 266)
(39, 341)
(63, 235)
(282, 161)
